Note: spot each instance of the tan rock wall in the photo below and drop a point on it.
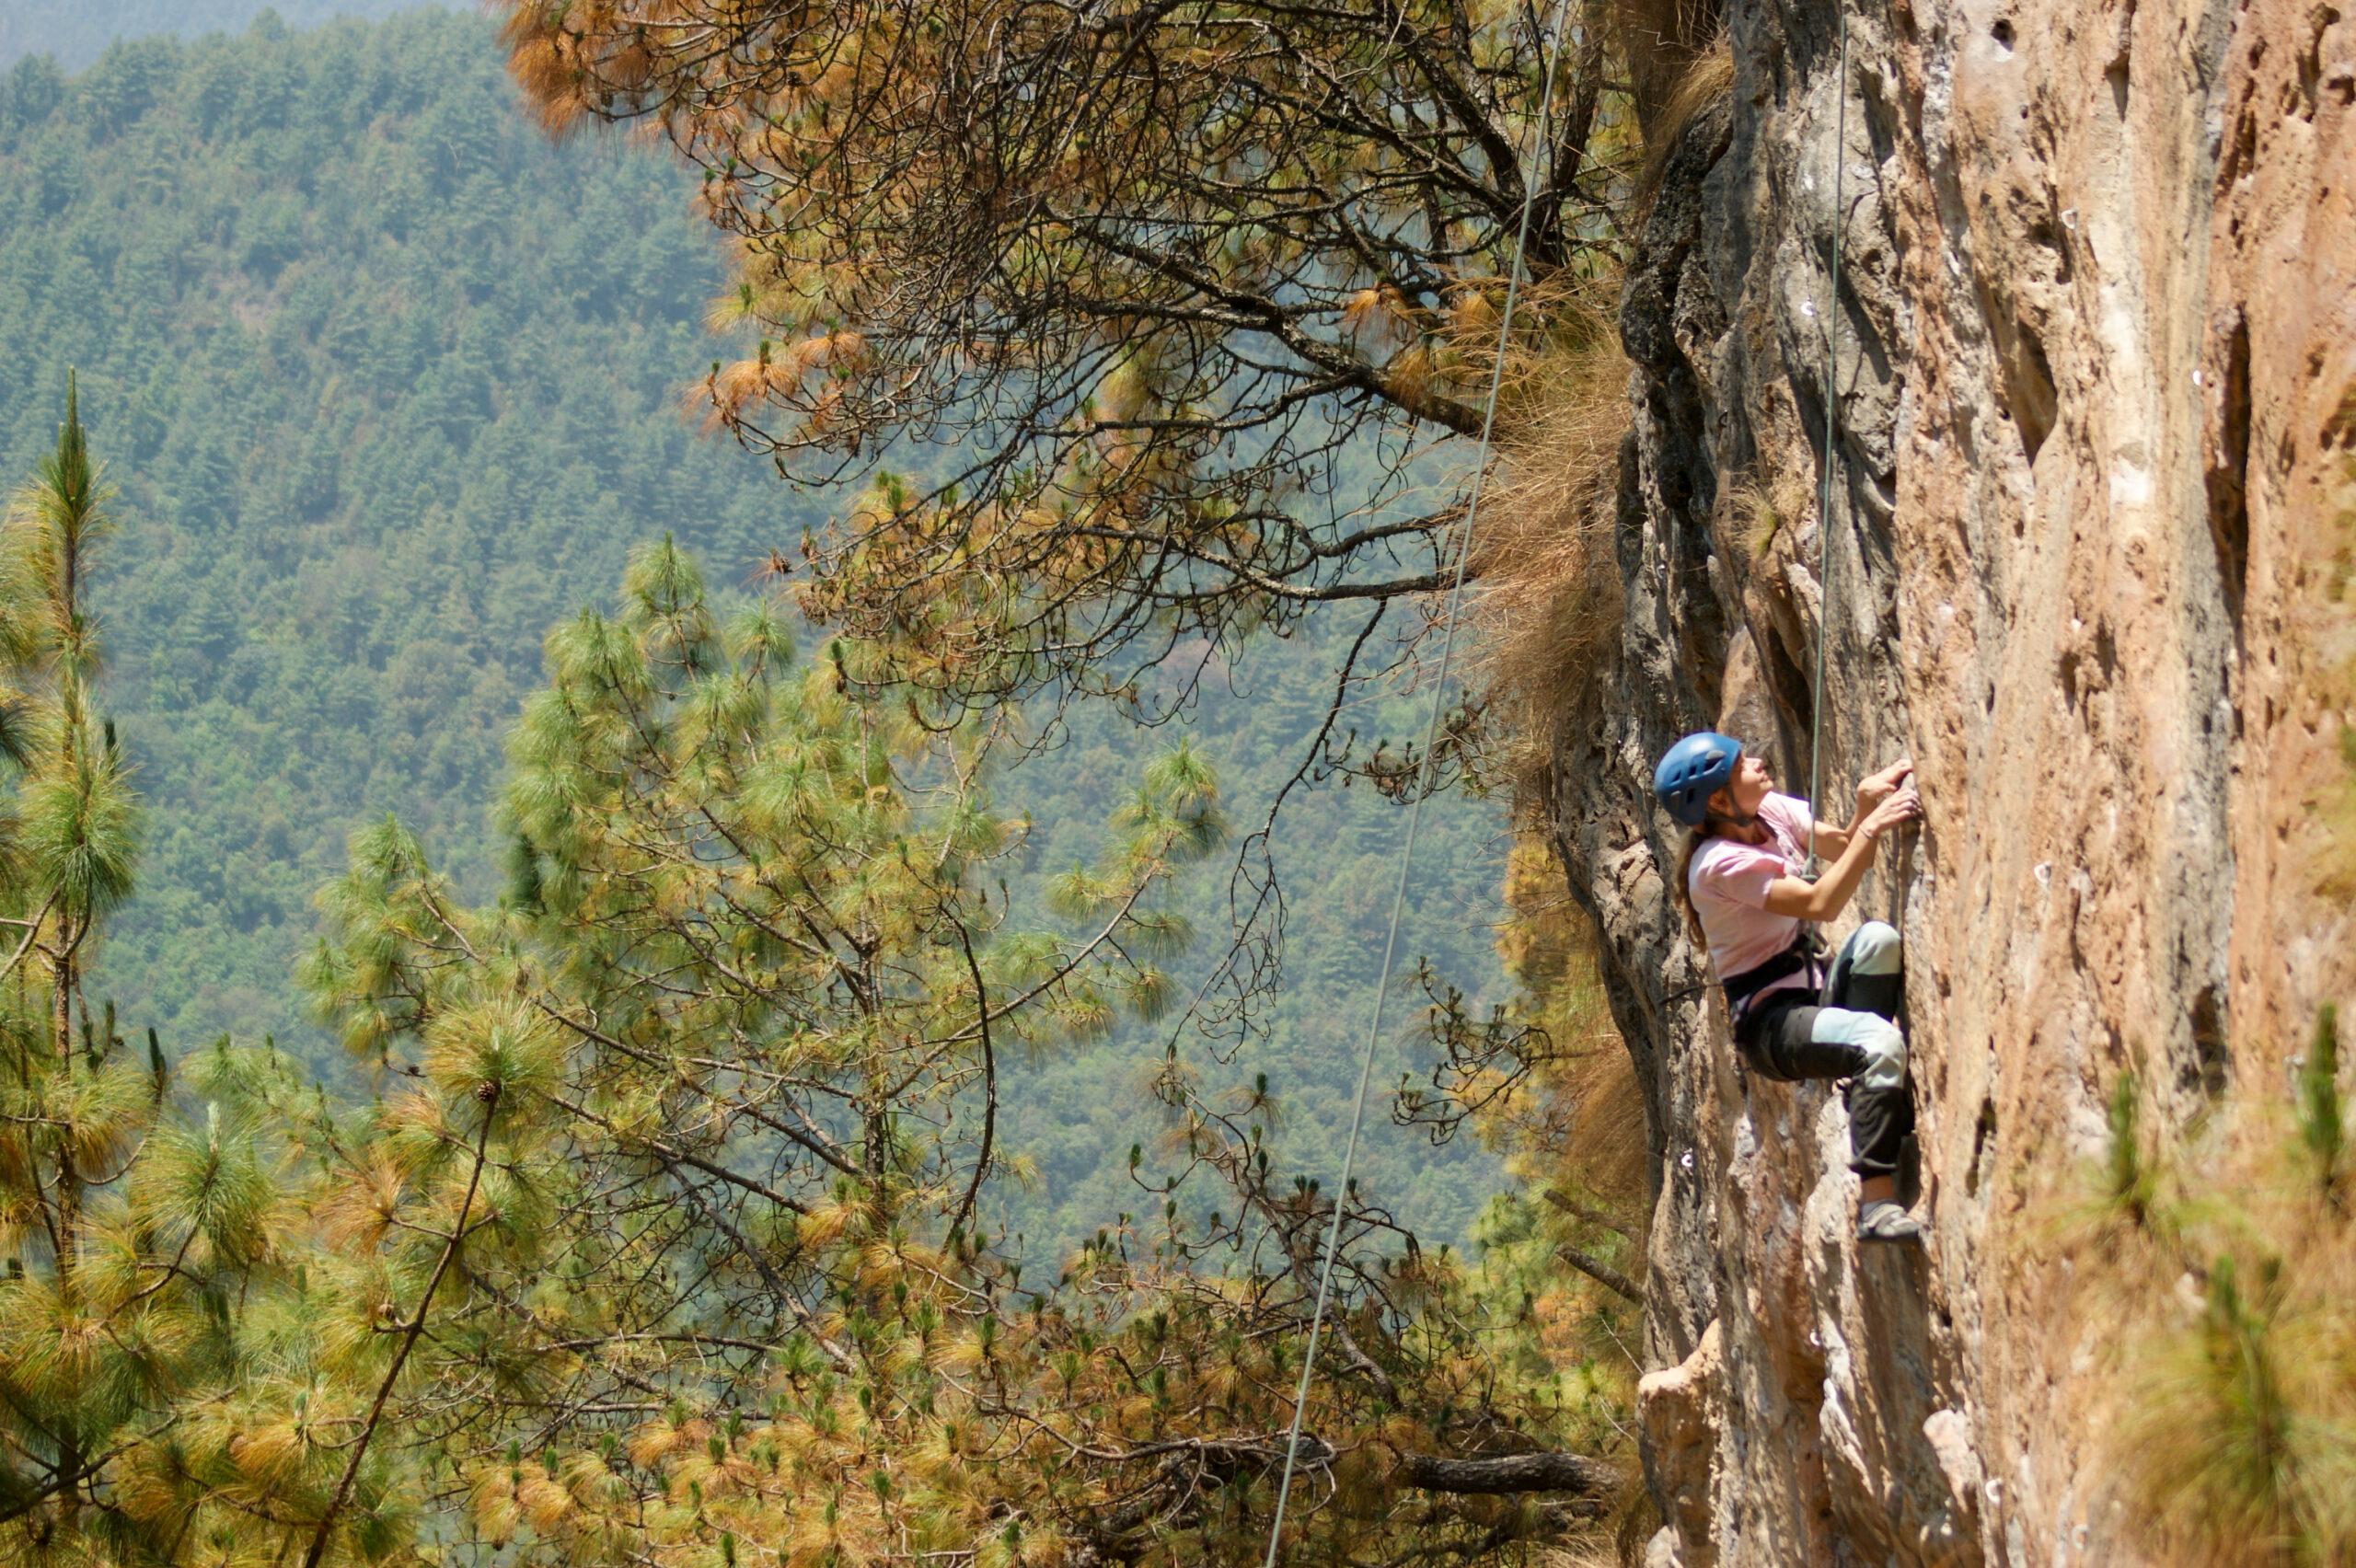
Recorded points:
(2087, 564)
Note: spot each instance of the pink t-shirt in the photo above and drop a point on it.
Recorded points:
(1728, 881)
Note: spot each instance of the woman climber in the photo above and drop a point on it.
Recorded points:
(1740, 879)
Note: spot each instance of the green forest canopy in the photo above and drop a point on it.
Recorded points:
(77, 35)
(389, 383)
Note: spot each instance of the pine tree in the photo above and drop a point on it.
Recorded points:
(139, 1219)
(74, 1115)
(669, 1237)
(1179, 372)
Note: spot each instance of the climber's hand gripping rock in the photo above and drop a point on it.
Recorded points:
(1897, 806)
(1875, 788)
(1817, 902)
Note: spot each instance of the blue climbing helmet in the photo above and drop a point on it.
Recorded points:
(1692, 771)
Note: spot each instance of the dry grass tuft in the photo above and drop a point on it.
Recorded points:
(1606, 1150)
(1547, 597)
(1704, 81)
(1765, 507)
(1580, 1125)
(1657, 41)
(1582, 1554)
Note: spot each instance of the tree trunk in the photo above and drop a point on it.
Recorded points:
(1512, 1472)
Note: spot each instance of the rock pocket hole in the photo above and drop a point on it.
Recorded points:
(2048, 235)
(1983, 1132)
(2212, 1066)
(2002, 33)
(2029, 375)
(2228, 475)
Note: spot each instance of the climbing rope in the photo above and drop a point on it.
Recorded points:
(1415, 806)
(1832, 411)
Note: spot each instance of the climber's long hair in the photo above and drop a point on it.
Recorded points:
(1681, 888)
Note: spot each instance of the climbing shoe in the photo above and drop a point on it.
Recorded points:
(1883, 1220)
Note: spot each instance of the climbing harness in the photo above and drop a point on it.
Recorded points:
(1416, 807)
(1831, 418)
(1804, 956)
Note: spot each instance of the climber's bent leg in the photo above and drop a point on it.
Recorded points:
(1881, 1110)
(1865, 1048)
(1870, 975)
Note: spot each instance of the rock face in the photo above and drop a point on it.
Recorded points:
(2096, 393)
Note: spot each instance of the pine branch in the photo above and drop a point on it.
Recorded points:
(1603, 1273)
(1572, 1206)
(415, 1327)
(990, 1076)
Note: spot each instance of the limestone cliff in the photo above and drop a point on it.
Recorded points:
(2097, 393)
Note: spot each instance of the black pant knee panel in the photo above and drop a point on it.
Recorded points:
(1774, 1039)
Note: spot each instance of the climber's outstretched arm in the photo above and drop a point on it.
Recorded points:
(1824, 898)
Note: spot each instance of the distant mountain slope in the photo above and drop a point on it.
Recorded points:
(1076, 1113)
(388, 381)
(77, 34)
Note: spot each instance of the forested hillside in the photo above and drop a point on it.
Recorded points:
(75, 35)
(1337, 851)
(386, 382)
(390, 385)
